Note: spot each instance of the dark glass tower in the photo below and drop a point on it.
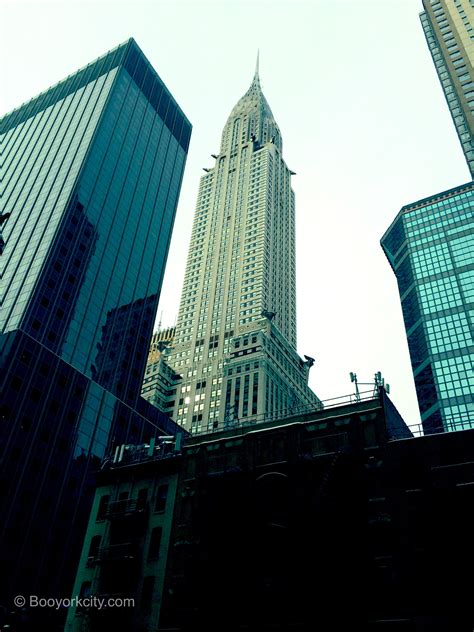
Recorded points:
(430, 246)
(91, 177)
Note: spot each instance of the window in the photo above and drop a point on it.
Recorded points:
(141, 499)
(104, 503)
(161, 496)
(147, 593)
(155, 542)
(94, 548)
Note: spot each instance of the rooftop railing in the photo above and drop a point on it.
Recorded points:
(294, 411)
(463, 421)
(170, 447)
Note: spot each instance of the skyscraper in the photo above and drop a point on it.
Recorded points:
(430, 246)
(449, 31)
(91, 178)
(235, 341)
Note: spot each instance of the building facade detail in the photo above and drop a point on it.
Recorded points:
(449, 30)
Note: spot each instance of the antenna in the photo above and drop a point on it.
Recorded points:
(378, 384)
(353, 377)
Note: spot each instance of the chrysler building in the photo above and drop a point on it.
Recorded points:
(235, 341)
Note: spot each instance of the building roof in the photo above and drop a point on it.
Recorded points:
(131, 57)
(253, 105)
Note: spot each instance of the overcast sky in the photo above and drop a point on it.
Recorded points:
(364, 123)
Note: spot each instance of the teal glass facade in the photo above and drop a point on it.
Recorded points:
(92, 173)
(430, 247)
(91, 178)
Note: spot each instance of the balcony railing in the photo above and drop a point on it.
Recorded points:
(127, 507)
(124, 552)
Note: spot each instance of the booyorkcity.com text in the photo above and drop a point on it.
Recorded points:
(93, 601)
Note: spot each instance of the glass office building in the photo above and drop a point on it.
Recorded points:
(430, 247)
(91, 178)
(92, 172)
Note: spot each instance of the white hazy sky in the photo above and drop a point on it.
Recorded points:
(364, 123)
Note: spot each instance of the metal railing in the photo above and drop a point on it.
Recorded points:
(294, 411)
(136, 454)
(130, 454)
(465, 421)
(124, 507)
(116, 553)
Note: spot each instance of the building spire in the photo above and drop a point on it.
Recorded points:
(260, 120)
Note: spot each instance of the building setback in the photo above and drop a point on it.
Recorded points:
(159, 341)
(161, 383)
(430, 246)
(91, 177)
(239, 283)
(449, 30)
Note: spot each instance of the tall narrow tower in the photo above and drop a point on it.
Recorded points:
(449, 31)
(235, 342)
